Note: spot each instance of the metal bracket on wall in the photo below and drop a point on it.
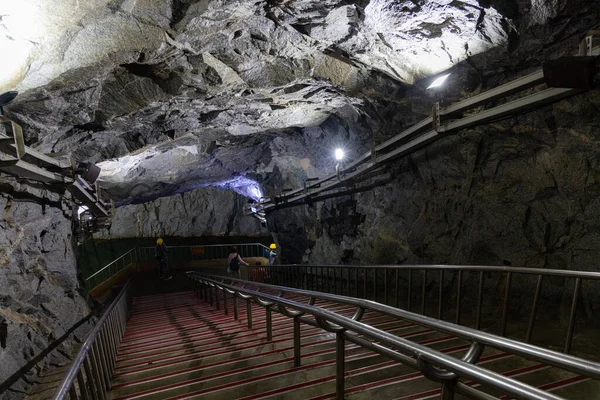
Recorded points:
(22, 161)
(435, 117)
(451, 119)
(586, 47)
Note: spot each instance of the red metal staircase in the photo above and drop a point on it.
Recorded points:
(177, 346)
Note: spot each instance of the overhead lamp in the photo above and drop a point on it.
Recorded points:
(339, 156)
(438, 82)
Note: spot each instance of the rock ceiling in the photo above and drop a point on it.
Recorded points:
(171, 95)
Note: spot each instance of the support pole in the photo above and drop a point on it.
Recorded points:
(269, 325)
(339, 365)
(572, 316)
(249, 313)
(296, 342)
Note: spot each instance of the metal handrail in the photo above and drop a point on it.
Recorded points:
(108, 265)
(574, 364)
(211, 245)
(448, 267)
(320, 277)
(92, 368)
(435, 365)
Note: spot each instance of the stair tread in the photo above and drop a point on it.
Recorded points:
(177, 347)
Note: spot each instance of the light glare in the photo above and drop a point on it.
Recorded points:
(439, 81)
(339, 154)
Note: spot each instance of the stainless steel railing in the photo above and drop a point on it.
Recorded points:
(91, 370)
(434, 365)
(410, 286)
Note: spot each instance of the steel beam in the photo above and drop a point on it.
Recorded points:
(22, 169)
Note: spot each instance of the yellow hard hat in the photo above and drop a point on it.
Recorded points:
(273, 246)
(159, 241)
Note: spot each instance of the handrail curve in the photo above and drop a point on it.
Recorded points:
(328, 326)
(565, 361)
(401, 345)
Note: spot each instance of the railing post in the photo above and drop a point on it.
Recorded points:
(296, 342)
(385, 286)
(339, 365)
(479, 301)
(356, 282)
(235, 307)
(447, 390)
(95, 391)
(103, 360)
(459, 297)
(441, 296)
(249, 313)
(409, 289)
(225, 307)
(364, 283)
(397, 289)
(374, 284)
(269, 324)
(423, 294)
(73, 392)
(217, 297)
(534, 306)
(98, 367)
(505, 305)
(82, 386)
(572, 316)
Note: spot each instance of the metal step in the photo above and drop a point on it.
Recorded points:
(176, 346)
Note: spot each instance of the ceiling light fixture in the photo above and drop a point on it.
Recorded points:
(438, 82)
(339, 154)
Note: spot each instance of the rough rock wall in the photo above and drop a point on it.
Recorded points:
(201, 212)
(521, 192)
(40, 297)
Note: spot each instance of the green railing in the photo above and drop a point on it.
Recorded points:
(176, 254)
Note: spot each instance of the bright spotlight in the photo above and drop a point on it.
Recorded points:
(339, 154)
(439, 81)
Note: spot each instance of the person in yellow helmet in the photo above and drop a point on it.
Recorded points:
(163, 259)
(272, 253)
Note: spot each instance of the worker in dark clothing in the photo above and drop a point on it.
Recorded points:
(163, 259)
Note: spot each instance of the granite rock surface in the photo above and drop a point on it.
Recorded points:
(41, 296)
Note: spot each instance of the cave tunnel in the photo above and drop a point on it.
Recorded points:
(412, 189)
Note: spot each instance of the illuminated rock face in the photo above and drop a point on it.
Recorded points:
(403, 39)
(174, 96)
